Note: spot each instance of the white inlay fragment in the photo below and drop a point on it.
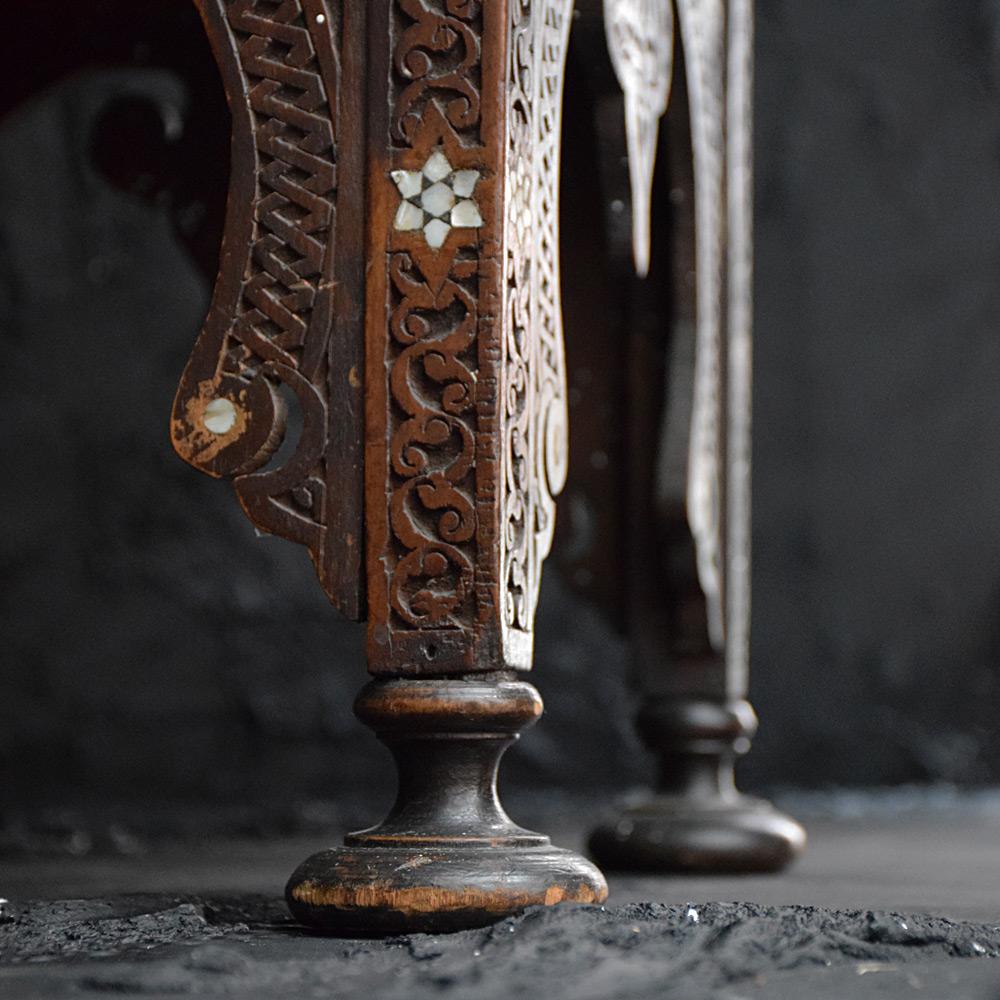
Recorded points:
(465, 215)
(220, 416)
(409, 216)
(409, 182)
(464, 182)
(437, 199)
(436, 232)
(437, 166)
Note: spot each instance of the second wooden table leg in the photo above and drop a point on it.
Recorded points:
(688, 503)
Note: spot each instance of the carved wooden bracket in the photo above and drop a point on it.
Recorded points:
(285, 318)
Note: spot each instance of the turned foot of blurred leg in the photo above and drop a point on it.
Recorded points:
(697, 820)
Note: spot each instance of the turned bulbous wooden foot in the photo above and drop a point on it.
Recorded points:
(370, 891)
(447, 857)
(697, 821)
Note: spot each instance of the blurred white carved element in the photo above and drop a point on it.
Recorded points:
(739, 193)
(703, 31)
(641, 42)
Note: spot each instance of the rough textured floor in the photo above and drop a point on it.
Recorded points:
(900, 907)
(142, 946)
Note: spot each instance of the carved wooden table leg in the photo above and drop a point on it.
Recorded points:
(689, 552)
(390, 270)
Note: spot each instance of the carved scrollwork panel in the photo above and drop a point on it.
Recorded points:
(431, 363)
(467, 436)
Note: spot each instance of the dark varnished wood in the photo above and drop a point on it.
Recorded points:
(423, 360)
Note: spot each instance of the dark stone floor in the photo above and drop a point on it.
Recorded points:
(898, 905)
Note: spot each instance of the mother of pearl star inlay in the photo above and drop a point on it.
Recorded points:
(436, 199)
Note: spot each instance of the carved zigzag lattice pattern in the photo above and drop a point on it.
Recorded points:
(294, 206)
(288, 57)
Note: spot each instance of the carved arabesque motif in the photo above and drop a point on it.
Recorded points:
(429, 555)
(433, 447)
(433, 327)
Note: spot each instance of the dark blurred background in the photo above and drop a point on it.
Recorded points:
(153, 650)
